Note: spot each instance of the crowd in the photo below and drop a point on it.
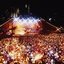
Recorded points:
(36, 49)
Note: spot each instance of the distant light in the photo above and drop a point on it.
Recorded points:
(26, 6)
(50, 19)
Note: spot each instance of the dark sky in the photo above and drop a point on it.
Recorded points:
(42, 8)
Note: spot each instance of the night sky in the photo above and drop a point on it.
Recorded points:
(42, 8)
